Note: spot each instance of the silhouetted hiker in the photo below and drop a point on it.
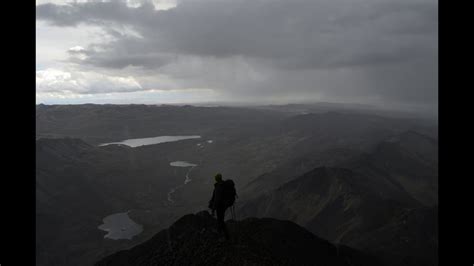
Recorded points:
(223, 197)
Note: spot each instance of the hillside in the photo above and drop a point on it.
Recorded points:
(347, 207)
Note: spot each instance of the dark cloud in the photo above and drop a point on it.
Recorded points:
(118, 58)
(384, 48)
(312, 33)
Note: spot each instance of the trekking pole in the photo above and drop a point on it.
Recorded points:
(233, 212)
(233, 206)
(235, 219)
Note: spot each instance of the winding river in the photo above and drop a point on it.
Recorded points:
(186, 180)
(120, 225)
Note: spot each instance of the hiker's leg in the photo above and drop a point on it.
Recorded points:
(220, 218)
(218, 222)
(226, 232)
(221, 222)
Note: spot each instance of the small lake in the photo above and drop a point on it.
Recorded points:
(150, 141)
(120, 226)
(182, 164)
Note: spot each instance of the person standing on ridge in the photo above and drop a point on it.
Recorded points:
(223, 197)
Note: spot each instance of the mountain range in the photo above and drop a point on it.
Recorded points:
(361, 180)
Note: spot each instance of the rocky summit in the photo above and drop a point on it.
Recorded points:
(194, 240)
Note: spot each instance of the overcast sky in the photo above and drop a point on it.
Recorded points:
(270, 51)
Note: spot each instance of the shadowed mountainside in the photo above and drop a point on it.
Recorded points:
(410, 161)
(346, 207)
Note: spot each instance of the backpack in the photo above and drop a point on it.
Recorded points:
(229, 193)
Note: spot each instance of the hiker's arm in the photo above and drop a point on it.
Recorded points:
(211, 202)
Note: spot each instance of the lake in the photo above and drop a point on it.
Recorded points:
(150, 141)
(120, 226)
(182, 164)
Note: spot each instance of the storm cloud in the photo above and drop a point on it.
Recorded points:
(343, 50)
